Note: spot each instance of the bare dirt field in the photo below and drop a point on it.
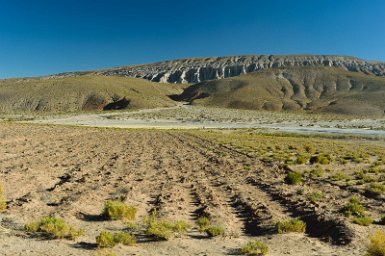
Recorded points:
(71, 172)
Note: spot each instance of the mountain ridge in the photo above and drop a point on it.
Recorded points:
(195, 70)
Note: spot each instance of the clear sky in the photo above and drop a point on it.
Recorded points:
(40, 37)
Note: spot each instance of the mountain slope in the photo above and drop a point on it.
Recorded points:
(197, 70)
(82, 93)
(320, 89)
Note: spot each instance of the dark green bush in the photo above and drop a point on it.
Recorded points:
(293, 178)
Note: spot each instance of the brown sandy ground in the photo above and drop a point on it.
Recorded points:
(70, 172)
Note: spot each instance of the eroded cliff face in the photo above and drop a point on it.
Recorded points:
(197, 70)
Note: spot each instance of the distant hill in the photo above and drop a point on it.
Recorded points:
(82, 93)
(313, 83)
(197, 70)
(313, 89)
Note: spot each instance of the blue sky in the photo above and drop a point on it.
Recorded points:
(45, 37)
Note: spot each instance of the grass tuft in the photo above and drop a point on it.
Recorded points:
(256, 248)
(108, 240)
(117, 210)
(54, 228)
(376, 245)
(293, 225)
(293, 178)
(363, 221)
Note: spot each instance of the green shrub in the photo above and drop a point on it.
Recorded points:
(181, 226)
(363, 221)
(108, 239)
(317, 172)
(203, 223)
(309, 149)
(319, 159)
(254, 248)
(3, 200)
(354, 207)
(293, 178)
(376, 245)
(124, 238)
(315, 196)
(105, 239)
(339, 176)
(117, 210)
(162, 229)
(53, 228)
(132, 226)
(293, 225)
(301, 159)
(213, 231)
(74, 234)
(375, 188)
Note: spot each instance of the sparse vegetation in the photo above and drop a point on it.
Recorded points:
(256, 248)
(293, 178)
(108, 239)
(204, 226)
(203, 223)
(319, 159)
(363, 220)
(53, 228)
(117, 210)
(302, 159)
(213, 231)
(293, 225)
(105, 239)
(354, 208)
(376, 245)
(315, 196)
(375, 188)
(163, 229)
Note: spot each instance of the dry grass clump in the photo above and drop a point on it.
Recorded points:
(376, 245)
(256, 248)
(213, 231)
(354, 208)
(52, 227)
(204, 225)
(363, 220)
(320, 159)
(293, 225)
(163, 229)
(315, 196)
(117, 210)
(375, 188)
(108, 239)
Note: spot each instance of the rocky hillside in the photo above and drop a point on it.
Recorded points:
(313, 89)
(202, 69)
(85, 93)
